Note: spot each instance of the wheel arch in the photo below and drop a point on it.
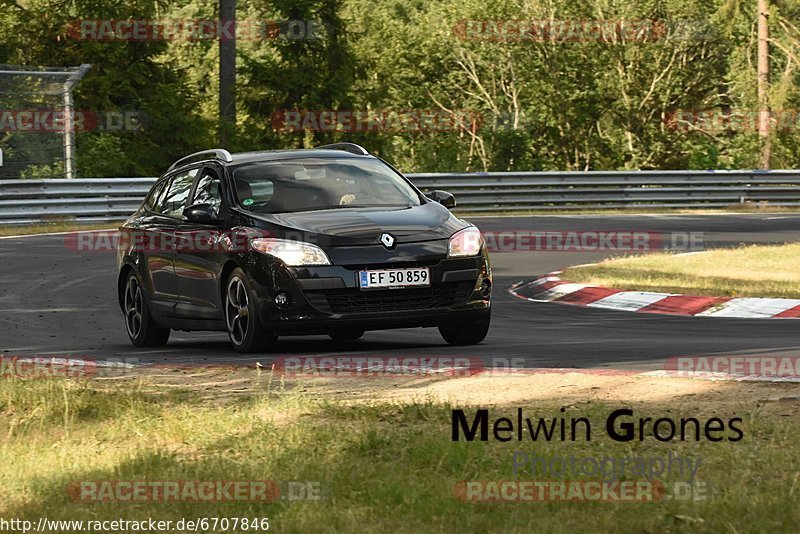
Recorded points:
(227, 269)
(126, 269)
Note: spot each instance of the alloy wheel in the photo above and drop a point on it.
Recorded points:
(237, 313)
(133, 307)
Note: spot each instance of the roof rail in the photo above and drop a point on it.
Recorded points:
(347, 147)
(219, 153)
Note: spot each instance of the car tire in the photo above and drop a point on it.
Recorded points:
(142, 329)
(346, 334)
(466, 333)
(241, 317)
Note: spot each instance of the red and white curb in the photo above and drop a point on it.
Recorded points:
(551, 288)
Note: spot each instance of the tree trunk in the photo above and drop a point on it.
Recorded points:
(227, 71)
(763, 84)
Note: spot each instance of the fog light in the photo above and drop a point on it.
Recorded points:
(281, 299)
(486, 288)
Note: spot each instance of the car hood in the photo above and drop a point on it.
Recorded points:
(364, 226)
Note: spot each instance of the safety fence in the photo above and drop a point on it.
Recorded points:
(113, 199)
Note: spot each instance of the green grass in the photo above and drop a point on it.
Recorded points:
(53, 227)
(751, 271)
(382, 467)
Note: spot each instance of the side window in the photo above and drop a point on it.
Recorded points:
(209, 190)
(174, 202)
(153, 197)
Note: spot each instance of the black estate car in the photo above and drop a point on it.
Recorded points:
(328, 241)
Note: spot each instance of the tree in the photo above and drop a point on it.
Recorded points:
(307, 66)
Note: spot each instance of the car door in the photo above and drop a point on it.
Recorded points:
(199, 254)
(159, 227)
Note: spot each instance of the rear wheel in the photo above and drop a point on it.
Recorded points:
(466, 333)
(346, 334)
(241, 318)
(142, 329)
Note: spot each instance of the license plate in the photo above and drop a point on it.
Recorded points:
(419, 277)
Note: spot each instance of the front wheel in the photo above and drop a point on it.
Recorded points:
(466, 333)
(241, 318)
(143, 331)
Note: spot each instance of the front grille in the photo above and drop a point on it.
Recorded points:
(353, 300)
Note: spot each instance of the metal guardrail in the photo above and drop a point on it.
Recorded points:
(77, 199)
(113, 199)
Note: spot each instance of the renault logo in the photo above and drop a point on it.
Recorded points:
(388, 241)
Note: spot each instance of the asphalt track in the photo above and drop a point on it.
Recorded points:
(57, 302)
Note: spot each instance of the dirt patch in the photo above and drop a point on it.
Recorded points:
(224, 384)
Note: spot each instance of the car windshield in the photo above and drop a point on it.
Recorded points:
(318, 184)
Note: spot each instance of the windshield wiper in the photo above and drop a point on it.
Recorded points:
(346, 206)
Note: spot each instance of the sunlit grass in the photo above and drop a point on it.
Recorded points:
(54, 227)
(633, 211)
(382, 467)
(751, 271)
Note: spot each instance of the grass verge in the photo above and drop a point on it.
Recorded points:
(750, 271)
(381, 466)
(54, 227)
(733, 209)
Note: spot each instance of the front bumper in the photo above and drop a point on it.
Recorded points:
(321, 299)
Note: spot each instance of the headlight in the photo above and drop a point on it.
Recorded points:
(466, 242)
(292, 253)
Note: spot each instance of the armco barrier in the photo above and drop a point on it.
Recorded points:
(112, 199)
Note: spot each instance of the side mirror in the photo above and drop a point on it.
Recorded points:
(202, 214)
(443, 197)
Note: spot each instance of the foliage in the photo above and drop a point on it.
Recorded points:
(529, 104)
